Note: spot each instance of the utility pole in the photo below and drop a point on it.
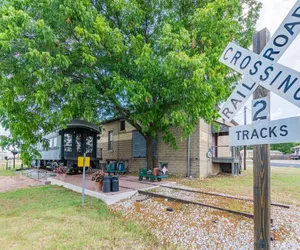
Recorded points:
(245, 123)
(83, 179)
(261, 168)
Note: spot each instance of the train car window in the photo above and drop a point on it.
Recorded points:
(78, 143)
(55, 142)
(110, 139)
(68, 142)
(122, 125)
(89, 144)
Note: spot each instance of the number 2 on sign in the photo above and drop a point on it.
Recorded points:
(260, 109)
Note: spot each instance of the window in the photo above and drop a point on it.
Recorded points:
(122, 125)
(78, 143)
(55, 142)
(68, 142)
(139, 149)
(89, 144)
(110, 139)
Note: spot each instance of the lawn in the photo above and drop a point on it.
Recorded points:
(4, 172)
(285, 184)
(50, 217)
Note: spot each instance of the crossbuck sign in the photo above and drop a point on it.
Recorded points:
(263, 69)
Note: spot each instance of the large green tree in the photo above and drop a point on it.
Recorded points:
(153, 62)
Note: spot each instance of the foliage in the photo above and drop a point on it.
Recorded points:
(284, 147)
(154, 63)
(98, 176)
(61, 170)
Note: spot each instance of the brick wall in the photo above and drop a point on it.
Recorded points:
(178, 159)
(205, 142)
(200, 143)
(223, 151)
(121, 143)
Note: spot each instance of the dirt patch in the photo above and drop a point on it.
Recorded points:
(16, 182)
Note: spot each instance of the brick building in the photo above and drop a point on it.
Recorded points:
(120, 141)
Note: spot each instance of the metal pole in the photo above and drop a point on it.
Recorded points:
(83, 179)
(245, 122)
(261, 169)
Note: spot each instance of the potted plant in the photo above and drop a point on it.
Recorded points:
(62, 172)
(98, 178)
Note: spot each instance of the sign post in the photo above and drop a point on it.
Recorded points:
(83, 179)
(261, 166)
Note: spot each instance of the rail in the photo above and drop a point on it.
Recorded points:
(231, 156)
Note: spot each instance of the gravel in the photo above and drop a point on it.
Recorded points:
(196, 227)
(38, 174)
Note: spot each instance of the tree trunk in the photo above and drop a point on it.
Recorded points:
(149, 152)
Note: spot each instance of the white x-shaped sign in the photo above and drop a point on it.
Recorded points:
(262, 69)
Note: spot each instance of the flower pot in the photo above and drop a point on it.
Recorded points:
(98, 185)
(62, 177)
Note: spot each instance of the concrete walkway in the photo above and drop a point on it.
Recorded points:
(128, 186)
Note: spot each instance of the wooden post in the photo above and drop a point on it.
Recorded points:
(261, 168)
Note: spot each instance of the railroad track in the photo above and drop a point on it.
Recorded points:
(207, 193)
(251, 216)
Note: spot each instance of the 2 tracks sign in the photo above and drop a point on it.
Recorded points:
(263, 70)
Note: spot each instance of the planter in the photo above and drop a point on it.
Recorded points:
(62, 177)
(98, 185)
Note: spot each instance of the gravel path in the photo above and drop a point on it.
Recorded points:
(195, 227)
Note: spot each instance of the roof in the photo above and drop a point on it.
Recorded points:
(83, 124)
(111, 120)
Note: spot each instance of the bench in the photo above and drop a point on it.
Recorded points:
(116, 168)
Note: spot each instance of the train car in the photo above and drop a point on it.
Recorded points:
(67, 144)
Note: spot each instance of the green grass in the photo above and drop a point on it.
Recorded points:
(285, 184)
(4, 172)
(51, 217)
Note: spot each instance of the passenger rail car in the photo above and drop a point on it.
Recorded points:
(66, 145)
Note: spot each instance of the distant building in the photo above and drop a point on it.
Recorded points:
(5, 153)
(273, 153)
(296, 150)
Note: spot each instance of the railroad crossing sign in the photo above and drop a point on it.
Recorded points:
(260, 109)
(262, 69)
(266, 132)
